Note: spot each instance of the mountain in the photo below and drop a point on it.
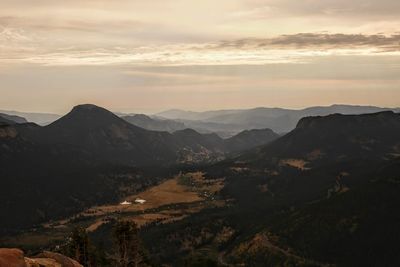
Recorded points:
(199, 147)
(154, 124)
(89, 156)
(339, 137)
(278, 119)
(332, 185)
(39, 118)
(4, 121)
(98, 133)
(337, 179)
(222, 129)
(322, 195)
(83, 158)
(206, 134)
(249, 139)
(13, 118)
(94, 132)
(192, 115)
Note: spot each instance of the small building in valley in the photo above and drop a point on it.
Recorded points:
(125, 203)
(140, 201)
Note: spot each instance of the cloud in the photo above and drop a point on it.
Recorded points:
(12, 35)
(372, 9)
(172, 32)
(296, 48)
(318, 41)
(71, 24)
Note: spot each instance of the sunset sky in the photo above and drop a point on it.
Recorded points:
(152, 55)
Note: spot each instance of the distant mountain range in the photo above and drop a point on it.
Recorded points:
(154, 124)
(12, 118)
(225, 123)
(38, 118)
(278, 119)
(102, 134)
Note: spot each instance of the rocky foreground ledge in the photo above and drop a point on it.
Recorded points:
(12, 257)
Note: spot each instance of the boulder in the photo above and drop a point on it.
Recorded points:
(12, 257)
(41, 262)
(64, 261)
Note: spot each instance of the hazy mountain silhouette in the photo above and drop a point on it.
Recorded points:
(192, 115)
(154, 124)
(4, 121)
(12, 118)
(278, 119)
(38, 118)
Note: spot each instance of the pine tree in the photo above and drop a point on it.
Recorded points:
(127, 242)
(79, 246)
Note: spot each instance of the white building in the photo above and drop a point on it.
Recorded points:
(140, 201)
(125, 203)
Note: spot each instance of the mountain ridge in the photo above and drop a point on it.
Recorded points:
(280, 120)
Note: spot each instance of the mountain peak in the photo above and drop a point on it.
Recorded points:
(88, 115)
(86, 107)
(89, 109)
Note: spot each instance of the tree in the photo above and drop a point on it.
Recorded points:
(79, 246)
(127, 242)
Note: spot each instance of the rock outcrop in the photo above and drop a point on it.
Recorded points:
(59, 258)
(11, 257)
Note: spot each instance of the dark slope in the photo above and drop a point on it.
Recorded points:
(100, 132)
(249, 139)
(95, 133)
(337, 137)
(332, 184)
(84, 158)
(356, 225)
(4, 121)
(198, 147)
(191, 136)
(326, 194)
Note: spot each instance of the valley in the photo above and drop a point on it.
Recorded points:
(301, 199)
(173, 199)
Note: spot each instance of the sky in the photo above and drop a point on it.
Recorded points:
(148, 56)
